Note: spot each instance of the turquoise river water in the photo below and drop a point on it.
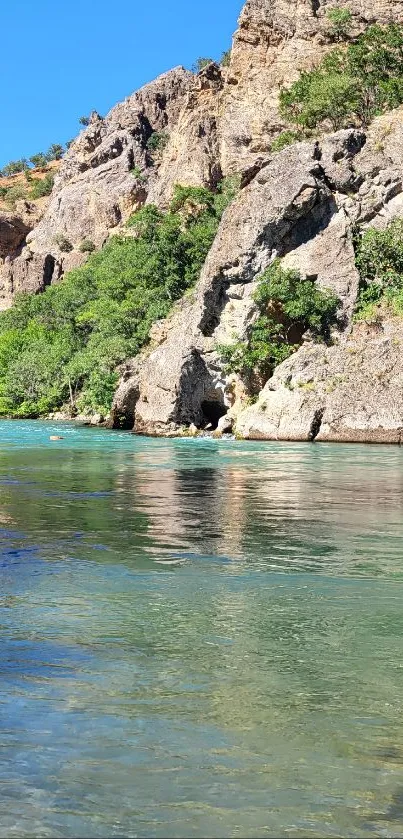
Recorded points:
(199, 638)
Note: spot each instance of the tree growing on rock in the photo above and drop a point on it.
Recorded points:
(288, 305)
(339, 23)
(351, 85)
(200, 64)
(39, 160)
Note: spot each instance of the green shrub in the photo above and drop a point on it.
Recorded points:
(63, 242)
(226, 58)
(137, 173)
(227, 191)
(87, 246)
(15, 167)
(75, 334)
(41, 187)
(379, 259)
(339, 22)
(15, 193)
(351, 85)
(84, 120)
(288, 306)
(286, 138)
(200, 64)
(157, 141)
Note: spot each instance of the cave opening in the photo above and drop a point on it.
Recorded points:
(212, 412)
(123, 421)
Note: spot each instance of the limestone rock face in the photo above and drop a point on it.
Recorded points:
(13, 231)
(276, 39)
(180, 381)
(95, 189)
(215, 123)
(350, 392)
(301, 204)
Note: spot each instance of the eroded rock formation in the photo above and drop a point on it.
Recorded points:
(350, 392)
(221, 121)
(301, 204)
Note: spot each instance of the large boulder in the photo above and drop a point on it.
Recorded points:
(349, 392)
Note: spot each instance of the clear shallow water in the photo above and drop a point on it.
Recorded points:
(199, 638)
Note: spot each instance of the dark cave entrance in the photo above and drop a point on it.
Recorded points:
(212, 412)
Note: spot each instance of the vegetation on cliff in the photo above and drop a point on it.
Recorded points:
(352, 84)
(379, 259)
(66, 343)
(288, 306)
(37, 161)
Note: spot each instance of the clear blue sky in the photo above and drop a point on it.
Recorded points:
(61, 60)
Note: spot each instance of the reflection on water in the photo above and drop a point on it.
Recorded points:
(199, 638)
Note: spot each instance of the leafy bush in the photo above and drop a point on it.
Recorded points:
(137, 173)
(41, 187)
(288, 306)
(286, 138)
(200, 64)
(340, 22)
(72, 337)
(227, 191)
(351, 85)
(39, 161)
(15, 193)
(55, 152)
(87, 246)
(379, 259)
(15, 167)
(84, 120)
(63, 242)
(157, 141)
(225, 58)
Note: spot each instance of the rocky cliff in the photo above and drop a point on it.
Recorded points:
(301, 204)
(217, 122)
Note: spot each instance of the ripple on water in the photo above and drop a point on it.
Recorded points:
(199, 638)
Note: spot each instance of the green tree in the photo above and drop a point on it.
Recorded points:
(84, 120)
(55, 152)
(340, 22)
(201, 63)
(379, 259)
(288, 305)
(351, 85)
(65, 344)
(15, 167)
(39, 161)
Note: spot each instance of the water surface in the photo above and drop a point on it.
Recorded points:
(199, 638)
